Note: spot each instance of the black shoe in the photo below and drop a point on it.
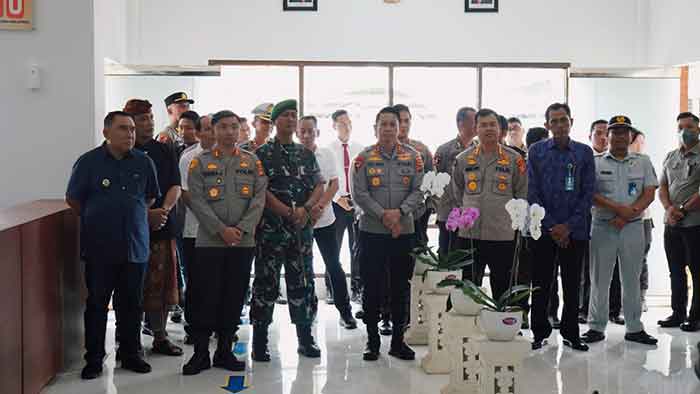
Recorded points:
(617, 319)
(139, 351)
(555, 322)
(260, 354)
(227, 360)
(593, 336)
(136, 364)
(671, 321)
(167, 348)
(309, 350)
(582, 319)
(329, 299)
(91, 371)
(576, 344)
(402, 351)
(641, 337)
(281, 300)
(189, 340)
(176, 316)
(386, 328)
(360, 314)
(371, 353)
(539, 343)
(691, 326)
(347, 321)
(198, 363)
(147, 331)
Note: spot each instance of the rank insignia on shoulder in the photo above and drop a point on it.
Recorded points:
(258, 165)
(359, 161)
(194, 164)
(522, 166)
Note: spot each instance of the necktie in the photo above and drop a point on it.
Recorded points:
(346, 165)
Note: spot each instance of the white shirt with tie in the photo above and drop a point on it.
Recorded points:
(338, 148)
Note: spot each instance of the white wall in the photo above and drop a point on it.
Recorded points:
(672, 32)
(44, 131)
(593, 33)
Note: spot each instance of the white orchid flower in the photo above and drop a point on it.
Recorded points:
(428, 180)
(536, 215)
(518, 211)
(441, 181)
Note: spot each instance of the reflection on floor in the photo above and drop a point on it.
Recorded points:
(611, 367)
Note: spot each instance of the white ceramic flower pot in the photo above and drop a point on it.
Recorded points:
(500, 326)
(432, 278)
(462, 304)
(420, 268)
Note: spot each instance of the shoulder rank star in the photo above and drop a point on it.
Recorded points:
(194, 163)
(258, 165)
(522, 167)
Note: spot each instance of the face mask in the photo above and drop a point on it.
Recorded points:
(687, 137)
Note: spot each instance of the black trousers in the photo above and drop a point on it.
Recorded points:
(189, 254)
(345, 221)
(421, 227)
(681, 245)
(218, 281)
(546, 257)
(382, 256)
(497, 255)
(524, 276)
(330, 251)
(446, 239)
(125, 280)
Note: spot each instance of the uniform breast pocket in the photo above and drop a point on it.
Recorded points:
(502, 185)
(376, 177)
(472, 182)
(405, 177)
(215, 189)
(136, 185)
(606, 183)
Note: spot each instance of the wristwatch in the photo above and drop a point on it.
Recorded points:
(682, 209)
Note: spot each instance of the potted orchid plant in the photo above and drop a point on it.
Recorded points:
(448, 266)
(501, 318)
(433, 187)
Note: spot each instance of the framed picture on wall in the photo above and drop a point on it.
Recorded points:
(300, 5)
(480, 5)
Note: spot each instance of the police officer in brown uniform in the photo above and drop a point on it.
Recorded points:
(486, 177)
(227, 187)
(386, 180)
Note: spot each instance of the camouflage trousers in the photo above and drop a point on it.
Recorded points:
(276, 248)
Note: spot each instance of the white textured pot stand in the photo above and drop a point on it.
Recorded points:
(437, 360)
(465, 362)
(417, 333)
(501, 364)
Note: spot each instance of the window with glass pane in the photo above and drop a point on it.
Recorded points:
(362, 91)
(434, 95)
(242, 88)
(523, 92)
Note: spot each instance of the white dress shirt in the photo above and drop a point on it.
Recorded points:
(191, 223)
(324, 157)
(336, 147)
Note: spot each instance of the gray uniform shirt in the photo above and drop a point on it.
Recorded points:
(443, 161)
(382, 180)
(488, 182)
(227, 191)
(681, 172)
(621, 181)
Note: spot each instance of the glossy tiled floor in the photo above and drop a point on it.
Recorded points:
(610, 367)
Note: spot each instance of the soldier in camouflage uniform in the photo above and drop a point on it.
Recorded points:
(386, 180)
(227, 187)
(285, 234)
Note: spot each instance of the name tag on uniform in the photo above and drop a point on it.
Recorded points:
(503, 169)
(475, 168)
(604, 172)
(569, 179)
(244, 171)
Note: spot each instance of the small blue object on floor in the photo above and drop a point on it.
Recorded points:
(240, 348)
(236, 384)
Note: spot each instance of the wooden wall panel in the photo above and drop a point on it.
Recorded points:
(42, 344)
(11, 307)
